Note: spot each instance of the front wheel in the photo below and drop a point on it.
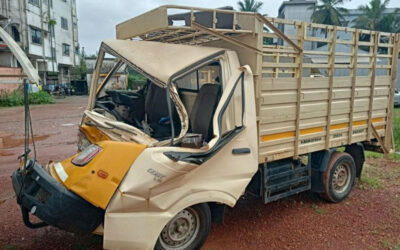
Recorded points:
(187, 230)
(339, 177)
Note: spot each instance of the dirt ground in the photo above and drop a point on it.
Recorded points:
(368, 219)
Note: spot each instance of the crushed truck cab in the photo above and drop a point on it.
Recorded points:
(191, 117)
(142, 179)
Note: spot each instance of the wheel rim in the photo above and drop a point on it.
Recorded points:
(341, 178)
(181, 230)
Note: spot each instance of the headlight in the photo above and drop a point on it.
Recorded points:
(86, 155)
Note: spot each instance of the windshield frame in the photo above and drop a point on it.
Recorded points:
(172, 92)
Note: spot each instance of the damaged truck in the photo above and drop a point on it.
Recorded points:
(231, 105)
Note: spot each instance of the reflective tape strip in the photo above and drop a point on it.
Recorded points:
(307, 131)
(60, 171)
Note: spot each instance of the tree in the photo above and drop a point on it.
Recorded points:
(390, 22)
(79, 72)
(329, 12)
(373, 17)
(249, 5)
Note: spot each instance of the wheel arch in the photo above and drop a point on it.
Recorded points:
(357, 151)
(153, 227)
(319, 163)
(320, 160)
(212, 198)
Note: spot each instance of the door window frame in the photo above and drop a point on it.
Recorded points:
(201, 157)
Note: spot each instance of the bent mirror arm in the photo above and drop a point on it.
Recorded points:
(26, 64)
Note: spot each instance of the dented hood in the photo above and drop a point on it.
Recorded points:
(160, 60)
(26, 64)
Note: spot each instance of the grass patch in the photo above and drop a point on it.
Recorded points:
(375, 155)
(16, 98)
(371, 178)
(372, 182)
(385, 243)
(389, 245)
(396, 128)
(9, 247)
(317, 209)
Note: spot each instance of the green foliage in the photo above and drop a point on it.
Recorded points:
(41, 97)
(52, 22)
(135, 79)
(373, 17)
(375, 155)
(372, 182)
(16, 98)
(396, 128)
(249, 5)
(317, 209)
(329, 13)
(80, 70)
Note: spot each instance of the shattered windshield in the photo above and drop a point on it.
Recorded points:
(127, 96)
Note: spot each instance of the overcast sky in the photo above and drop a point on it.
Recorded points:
(97, 18)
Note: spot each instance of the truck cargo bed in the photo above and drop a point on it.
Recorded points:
(317, 87)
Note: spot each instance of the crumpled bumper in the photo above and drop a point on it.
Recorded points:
(40, 194)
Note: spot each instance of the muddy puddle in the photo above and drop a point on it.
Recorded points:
(12, 141)
(3, 153)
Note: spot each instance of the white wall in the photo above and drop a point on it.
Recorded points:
(297, 12)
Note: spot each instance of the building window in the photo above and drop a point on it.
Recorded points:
(64, 23)
(77, 50)
(66, 49)
(36, 36)
(34, 2)
(15, 34)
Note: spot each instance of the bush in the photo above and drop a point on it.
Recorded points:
(135, 80)
(41, 97)
(16, 98)
(396, 128)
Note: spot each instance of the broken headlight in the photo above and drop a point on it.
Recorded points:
(83, 142)
(86, 155)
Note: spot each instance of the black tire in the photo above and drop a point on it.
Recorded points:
(199, 236)
(339, 177)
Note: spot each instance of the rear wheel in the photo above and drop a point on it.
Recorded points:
(187, 230)
(339, 177)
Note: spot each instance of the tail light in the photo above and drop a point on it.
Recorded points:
(86, 155)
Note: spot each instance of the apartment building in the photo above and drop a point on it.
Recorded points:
(299, 10)
(47, 30)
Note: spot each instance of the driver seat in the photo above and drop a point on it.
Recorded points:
(156, 110)
(206, 102)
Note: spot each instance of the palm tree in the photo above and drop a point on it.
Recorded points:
(390, 22)
(249, 5)
(329, 12)
(373, 17)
